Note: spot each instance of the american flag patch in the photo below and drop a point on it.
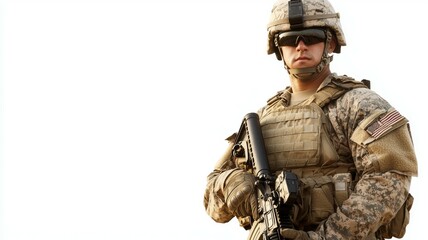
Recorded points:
(384, 123)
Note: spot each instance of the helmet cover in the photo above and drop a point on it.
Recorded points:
(314, 14)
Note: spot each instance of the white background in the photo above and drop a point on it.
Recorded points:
(114, 112)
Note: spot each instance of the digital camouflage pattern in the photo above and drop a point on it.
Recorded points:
(382, 186)
(376, 199)
(316, 14)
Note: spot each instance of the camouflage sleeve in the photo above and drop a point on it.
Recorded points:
(382, 186)
(376, 199)
(213, 201)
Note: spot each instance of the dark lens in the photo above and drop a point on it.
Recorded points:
(288, 41)
(293, 41)
(310, 40)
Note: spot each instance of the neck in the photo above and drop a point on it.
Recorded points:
(313, 83)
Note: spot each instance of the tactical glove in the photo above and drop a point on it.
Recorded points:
(238, 190)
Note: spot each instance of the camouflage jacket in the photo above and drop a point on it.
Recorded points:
(384, 160)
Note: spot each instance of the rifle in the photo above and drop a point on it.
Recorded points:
(275, 196)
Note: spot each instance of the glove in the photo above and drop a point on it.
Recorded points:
(238, 190)
(289, 233)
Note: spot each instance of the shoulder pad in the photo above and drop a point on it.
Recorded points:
(274, 98)
(346, 82)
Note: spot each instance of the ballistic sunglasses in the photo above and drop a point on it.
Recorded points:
(308, 36)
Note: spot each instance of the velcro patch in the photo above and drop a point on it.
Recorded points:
(383, 124)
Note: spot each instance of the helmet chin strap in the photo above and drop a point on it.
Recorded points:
(311, 72)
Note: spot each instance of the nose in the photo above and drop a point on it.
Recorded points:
(300, 44)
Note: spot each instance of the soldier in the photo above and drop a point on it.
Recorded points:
(351, 150)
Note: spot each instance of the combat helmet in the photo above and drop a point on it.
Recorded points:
(297, 15)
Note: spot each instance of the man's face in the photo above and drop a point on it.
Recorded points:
(303, 48)
(302, 55)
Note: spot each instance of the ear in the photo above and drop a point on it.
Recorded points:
(332, 45)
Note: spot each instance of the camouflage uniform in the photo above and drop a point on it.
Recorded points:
(369, 136)
(379, 192)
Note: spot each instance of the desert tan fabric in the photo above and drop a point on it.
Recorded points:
(380, 178)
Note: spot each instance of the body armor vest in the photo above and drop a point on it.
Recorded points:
(297, 139)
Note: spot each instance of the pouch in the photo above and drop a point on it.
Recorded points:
(316, 200)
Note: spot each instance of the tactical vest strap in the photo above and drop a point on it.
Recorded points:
(338, 86)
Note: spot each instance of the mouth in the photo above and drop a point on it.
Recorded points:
(302, 58)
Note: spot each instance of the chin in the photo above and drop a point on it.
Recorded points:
(303, 64)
